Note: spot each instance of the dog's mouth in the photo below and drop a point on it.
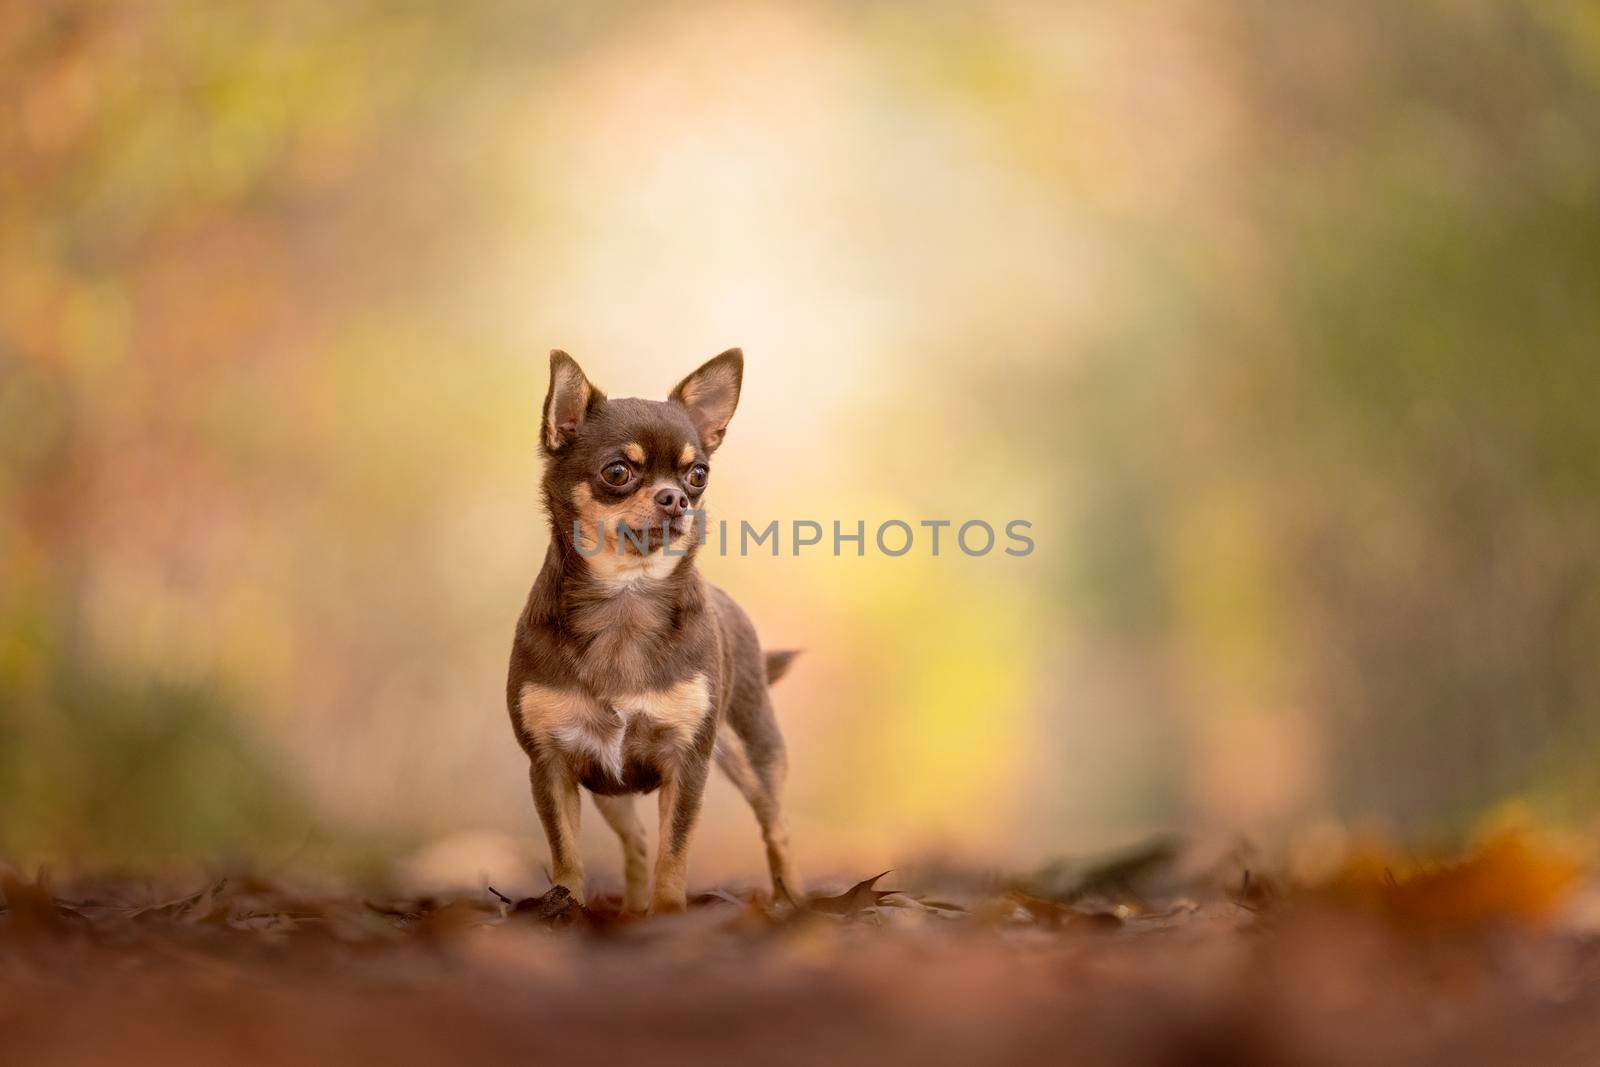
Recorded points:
(657, 535)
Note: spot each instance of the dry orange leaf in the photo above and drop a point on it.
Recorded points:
(1509, 878)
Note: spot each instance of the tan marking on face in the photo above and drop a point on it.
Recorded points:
(617, 562)
(686, 456)
(597, 517)
(634, 451)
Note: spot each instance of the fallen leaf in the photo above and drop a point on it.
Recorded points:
(30, 909)
(857, 898)
(205, 905)
(557, 907)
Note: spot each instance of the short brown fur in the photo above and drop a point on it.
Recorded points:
(630, 673)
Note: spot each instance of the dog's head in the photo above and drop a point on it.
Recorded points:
(624, 478)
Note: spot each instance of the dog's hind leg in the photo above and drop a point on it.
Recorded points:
(620, 815)
(752, 755)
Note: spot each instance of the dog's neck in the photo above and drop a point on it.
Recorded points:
(617, 629)
(570, 580)
(621, 571)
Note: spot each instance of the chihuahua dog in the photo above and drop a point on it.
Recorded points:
(629, 672)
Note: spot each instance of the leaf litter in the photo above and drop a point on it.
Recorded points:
(1480, 958)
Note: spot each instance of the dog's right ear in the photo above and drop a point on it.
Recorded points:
(571, 400)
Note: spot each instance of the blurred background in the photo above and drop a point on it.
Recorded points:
(1279, 321)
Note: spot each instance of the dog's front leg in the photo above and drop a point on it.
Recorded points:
(681, 792)
(555, 795)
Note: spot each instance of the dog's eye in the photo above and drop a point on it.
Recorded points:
(697, 476)
(616, 474)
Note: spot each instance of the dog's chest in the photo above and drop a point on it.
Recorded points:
(620, 744)
(621, 636)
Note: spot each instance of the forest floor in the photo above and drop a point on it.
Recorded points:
(1486, 959)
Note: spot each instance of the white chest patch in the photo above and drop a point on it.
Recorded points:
(575, 722)
(602, 741)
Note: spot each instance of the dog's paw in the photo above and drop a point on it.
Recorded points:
(668, 904)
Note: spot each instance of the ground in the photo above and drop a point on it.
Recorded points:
(1482, 961)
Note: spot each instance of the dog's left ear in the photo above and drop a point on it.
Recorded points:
(710, 394)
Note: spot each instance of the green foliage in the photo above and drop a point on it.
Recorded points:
(140, 772)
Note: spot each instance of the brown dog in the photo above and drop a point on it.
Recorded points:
(628, 671)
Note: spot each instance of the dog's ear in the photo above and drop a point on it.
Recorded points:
(710, 394)
(571, 400)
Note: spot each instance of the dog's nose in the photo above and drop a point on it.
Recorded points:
(672, 500)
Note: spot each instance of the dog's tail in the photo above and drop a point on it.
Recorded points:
(778, 663)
